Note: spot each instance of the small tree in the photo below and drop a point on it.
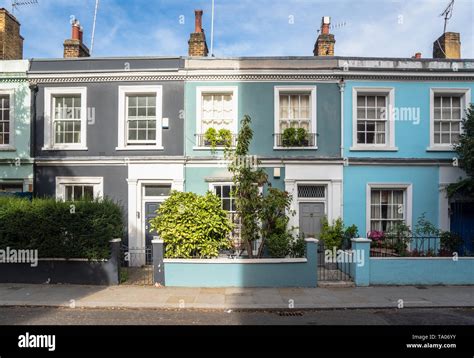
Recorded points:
(192, 225)
(261, 215)
(465, 151)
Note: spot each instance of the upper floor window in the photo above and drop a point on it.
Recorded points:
(67, 119)
(5, 121)
(217, 119)
(373, 125)
(371, 119)
(140, 118)
(65, 113)
(447, 110)
(295, 116)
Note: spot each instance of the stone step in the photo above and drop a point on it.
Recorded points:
(333, 284)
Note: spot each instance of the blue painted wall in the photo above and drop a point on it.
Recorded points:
(239, 274)
(411, 140)
(424, 182)
(426, 271)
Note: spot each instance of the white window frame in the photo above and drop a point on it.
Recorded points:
(313, 119)
(212, 187)
(465, 101)
(202, 90)
(389, 145)
(123, 91)
(97, 182)
(11, 142)
(51, 92)
(408, 199)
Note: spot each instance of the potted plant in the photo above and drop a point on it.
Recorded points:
(295, 137)
(288, 137)
(214, 138)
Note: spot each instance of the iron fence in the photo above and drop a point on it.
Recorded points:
(415, 246)
(333, 264)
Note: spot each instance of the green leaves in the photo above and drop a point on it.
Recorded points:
(49, 226)
(192, 225)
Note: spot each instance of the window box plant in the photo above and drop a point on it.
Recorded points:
(217, 138)
(295, 137)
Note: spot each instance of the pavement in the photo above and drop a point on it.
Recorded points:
(79, 296)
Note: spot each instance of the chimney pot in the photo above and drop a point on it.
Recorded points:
(198, 21)
(75, 31)
(418, 55)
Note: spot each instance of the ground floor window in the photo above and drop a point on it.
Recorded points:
(11, 187)
(387, 207)
(79, 188)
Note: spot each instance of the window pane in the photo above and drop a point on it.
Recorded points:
(437, 113)
(446, 113)
(88, 192)
(141, 101)
(361, 113)
(132, 101)
(370, 138)
(437, 101)
(69, 196)
(226, 191)
(361, 138)
(446, 101)
(370, 101)
(361, 101)
(158, 190)
(218, 190)
(371, 113)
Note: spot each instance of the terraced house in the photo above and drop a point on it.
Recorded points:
(401, 118)
(294, 104)
(109, 127)
(16, 164)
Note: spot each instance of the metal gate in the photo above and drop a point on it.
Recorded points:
(331, 270)
(136, 266)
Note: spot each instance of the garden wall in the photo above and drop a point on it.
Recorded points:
(422, 271)
(288, 272)
(66, 271)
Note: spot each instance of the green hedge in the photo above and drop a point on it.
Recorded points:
(58, 229)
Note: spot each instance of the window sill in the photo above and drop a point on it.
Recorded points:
(64, 148)
(295, 148)
(7, 148)
(373, 149)
(139, 147)
(440, 149)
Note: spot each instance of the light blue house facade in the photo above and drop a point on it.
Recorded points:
(277, 93)
(400, 119)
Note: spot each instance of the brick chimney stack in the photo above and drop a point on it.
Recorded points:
(324, 45)
(11, 42)
(197, 40)
(74, 47)
(448, 45)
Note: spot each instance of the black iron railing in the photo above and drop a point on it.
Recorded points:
(308, 141)
(202, 141)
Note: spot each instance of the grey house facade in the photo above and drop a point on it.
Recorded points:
(109, 127)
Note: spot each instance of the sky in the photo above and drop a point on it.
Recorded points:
(379, 28)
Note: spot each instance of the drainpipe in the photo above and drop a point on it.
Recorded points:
(34, 92)
(342, 86)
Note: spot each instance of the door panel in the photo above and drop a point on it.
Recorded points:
(150, 213)
(310, 215)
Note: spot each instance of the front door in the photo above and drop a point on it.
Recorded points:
(310, 218)
(150, 213)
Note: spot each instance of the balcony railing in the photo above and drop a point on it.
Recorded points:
(201, 141)
(308, 141)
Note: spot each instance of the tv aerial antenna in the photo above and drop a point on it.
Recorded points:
(93, 25)
(16, 4)
(337, 25)
(447, 13)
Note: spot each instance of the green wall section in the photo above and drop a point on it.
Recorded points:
(257, 100)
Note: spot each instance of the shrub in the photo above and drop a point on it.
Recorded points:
(58, 230)
(298, 247)
(192, 225)
(279, 244)
(332, 235)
